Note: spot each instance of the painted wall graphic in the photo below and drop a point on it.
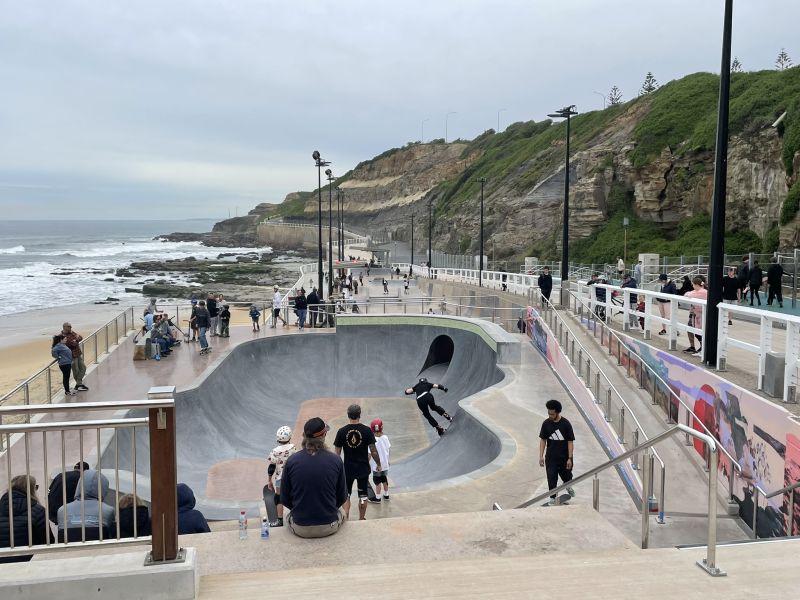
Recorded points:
(764, 438)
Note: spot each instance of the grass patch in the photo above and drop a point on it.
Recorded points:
(791, 204)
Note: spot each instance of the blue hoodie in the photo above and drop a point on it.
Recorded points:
(62, 354)
(95, 511)
(189, 519)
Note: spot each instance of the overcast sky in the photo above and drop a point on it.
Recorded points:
(154, 109)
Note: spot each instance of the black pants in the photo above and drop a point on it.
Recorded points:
(775, 291)
(313, 316)
(427, 404)
(66, 370)
(754, 292)
(556, 467)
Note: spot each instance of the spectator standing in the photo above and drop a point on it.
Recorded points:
(301, 306)
(225, 320)
(56, 493)
(73, 341)
(312, 301)
(203, 322)
(130, 505)
(696, 316)
(63, 355)
(545, 283)
(190, 520)
(382, 445)
(756, 279)
(637, 273)
(686, 286)
(91, 513)
(730, 289)
(405, 284)
(385, 286)
(21, 489)
(633, 299)
(277, 461)
(743, 275)
(193, 321)
(255, 315)
(313, 485)
(557, 437)
(667, 287)
(620, 267)
(775, 282)
(277, 301)
(151, 308)
(213, 314)
(358, 443)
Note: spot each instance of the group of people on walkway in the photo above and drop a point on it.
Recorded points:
(67, 351)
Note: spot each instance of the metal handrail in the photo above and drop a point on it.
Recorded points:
(757, 489)
(709, 562)
(667, 387)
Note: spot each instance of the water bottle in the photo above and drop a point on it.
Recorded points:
(242, 525)
(264, 528)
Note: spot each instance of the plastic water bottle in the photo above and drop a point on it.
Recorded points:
(264, 528)
(242, 525)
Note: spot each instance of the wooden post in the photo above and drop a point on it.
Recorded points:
(163, 478)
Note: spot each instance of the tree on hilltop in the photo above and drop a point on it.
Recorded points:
(650, 84)
(736, 65)
(783, 61)
(615, 96)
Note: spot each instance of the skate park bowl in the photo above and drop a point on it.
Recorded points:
(226, 423)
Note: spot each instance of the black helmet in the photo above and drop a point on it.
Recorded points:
(423, 380)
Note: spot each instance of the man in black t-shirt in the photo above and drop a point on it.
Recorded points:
(557, 435)
(426, 403)
(358, 443)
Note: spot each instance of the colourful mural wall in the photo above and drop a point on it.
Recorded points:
(763, 437)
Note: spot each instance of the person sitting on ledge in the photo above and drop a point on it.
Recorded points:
(93, 513)
(17, 495)
(190, 520)
(313, 485)
(55, 495)
(128, 505)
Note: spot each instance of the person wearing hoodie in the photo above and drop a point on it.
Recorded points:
(63, 355)
(22, 486)
(190, 520)
(92, 513)
(312, 300)
(56, 494)
(128, 505)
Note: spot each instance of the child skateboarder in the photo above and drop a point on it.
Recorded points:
(255, 314)
(277, 459)
(380, 478)
(426, 403)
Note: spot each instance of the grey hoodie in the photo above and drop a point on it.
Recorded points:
(94, 511)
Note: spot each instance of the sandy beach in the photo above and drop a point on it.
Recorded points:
(27, 336)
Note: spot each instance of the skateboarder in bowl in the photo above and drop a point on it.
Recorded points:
(426, 403)
(557, 436)
(276, 460)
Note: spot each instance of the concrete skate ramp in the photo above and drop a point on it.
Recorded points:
(234, 412)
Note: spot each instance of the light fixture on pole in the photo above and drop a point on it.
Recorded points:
(482, 181)
(319, 164)
(329, 173)
(565, 113)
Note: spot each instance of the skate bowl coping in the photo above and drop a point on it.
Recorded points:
(233, 411)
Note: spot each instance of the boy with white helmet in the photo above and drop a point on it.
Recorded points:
(277, 460)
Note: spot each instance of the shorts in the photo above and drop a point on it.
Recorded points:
(362, 483)
(692, 319)
(379, 477)
(276, 312)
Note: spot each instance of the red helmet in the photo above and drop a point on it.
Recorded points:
(376, 425)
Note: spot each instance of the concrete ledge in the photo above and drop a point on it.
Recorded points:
(119, 576)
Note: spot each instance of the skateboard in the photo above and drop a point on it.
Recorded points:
(370, 492)
(269, 504)
(205, 350)
(562, 499)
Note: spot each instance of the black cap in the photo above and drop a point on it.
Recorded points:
(315, 427)
(662, 277)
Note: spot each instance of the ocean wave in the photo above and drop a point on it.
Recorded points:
(168, 249)
(12, 250)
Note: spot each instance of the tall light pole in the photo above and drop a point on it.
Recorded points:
(319, 163)
(329, 173)
(412, 238)
(565, 113)
(339, 236)
(717, 254)
(482, 181)
(430, 236)
(498, 118)
(446, 119)
(422, 134)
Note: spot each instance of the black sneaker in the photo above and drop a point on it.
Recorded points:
(690, 350)
(440, 431)
(447, 416)
(374, 500)
(81, 388)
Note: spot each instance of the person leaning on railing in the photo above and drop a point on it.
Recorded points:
(22, 486)
(73, 341)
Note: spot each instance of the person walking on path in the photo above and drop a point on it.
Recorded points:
(380, 478)
(667, 287)
(73, 341)
(620, 267)
(696, 316)
(405, 284)
(775, 282)
(313, 301)
(756, 279)
(545, 283)
(63, 355)
(358, 443)
(203, 321)
(301, 307)
(426, 403)
(313, 485)
(633, 300)
(225, 320)
(743, 275)
(557, 437)
(730, 289)
(385, 286)
(213, 314)
(277, 301)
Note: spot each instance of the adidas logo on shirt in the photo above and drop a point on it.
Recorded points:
(556, 435)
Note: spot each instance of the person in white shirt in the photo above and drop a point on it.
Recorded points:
(382, 445)
(277, 303)
(276, 461)
(620, 266)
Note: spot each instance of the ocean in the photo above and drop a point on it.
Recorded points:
(44, 264)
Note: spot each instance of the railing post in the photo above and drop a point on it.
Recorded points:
(635, 457)
(646, 475)
(621, 434)
(597, 387)
(755, 512)
(708, 564)
(49, 385)
(163, 480)
(608, 405)
(596, 493)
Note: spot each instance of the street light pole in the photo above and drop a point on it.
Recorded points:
(412, 238)
(430, 236)
(319, 163)
(480, 258)
(717, 254)
(329, 173)
(566, 112)
(339, 223)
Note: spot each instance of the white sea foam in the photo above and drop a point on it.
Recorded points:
(12, 250)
